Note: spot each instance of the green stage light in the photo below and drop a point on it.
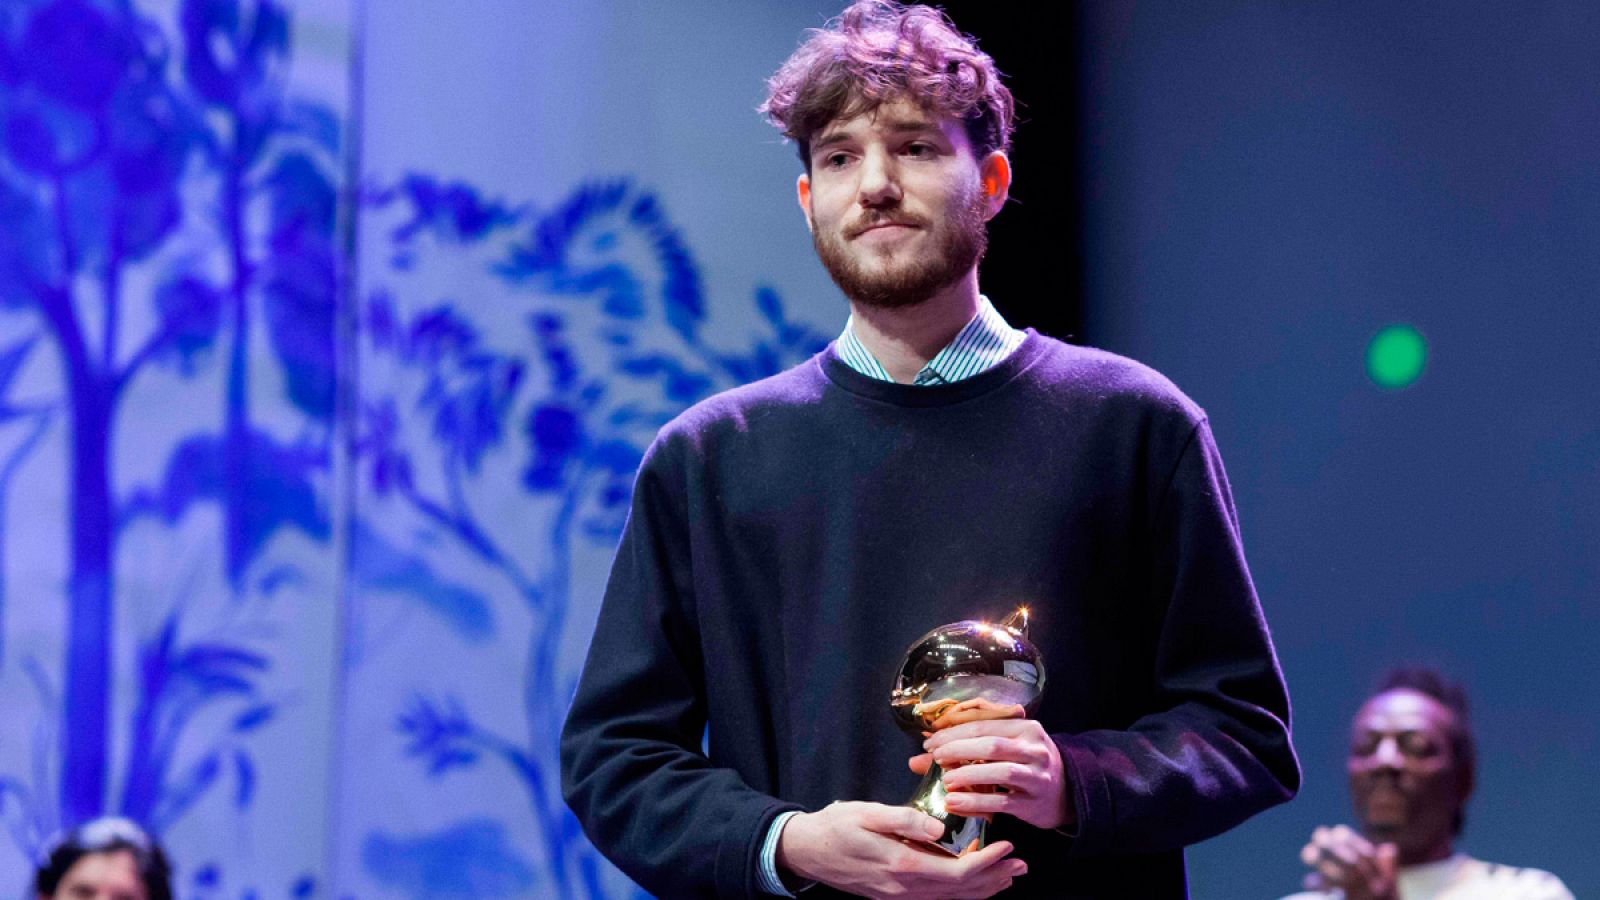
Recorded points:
(1396, 356)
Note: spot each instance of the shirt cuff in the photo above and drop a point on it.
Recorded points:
(771, 882)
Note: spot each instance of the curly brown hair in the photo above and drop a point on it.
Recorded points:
(878, 51)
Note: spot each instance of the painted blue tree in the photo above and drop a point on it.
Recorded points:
(273, 152)
(99, 152)
(615, 311)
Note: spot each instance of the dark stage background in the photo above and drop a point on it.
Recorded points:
(1265, 187)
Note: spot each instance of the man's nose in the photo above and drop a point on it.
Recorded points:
(880, 184)
(1387, 754)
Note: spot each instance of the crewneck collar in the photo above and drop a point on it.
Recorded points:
(848, 379)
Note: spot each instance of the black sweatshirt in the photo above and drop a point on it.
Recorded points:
(790, 539)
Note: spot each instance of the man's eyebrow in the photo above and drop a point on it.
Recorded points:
(829, 140)
(903, 126)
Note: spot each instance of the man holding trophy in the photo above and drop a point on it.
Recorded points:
(905, 534)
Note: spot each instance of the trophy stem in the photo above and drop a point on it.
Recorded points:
(959, 831)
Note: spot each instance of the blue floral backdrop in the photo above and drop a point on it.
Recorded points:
(495, 449)
(310, 466)
(169, 274)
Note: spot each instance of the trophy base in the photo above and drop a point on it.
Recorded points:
(960, 832)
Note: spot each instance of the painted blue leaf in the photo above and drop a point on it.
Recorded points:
(473, 859)
(741, 371)
(618, 457)
(391, 472)
(145, 222)
(622, 293)
(244, 773)
(301, 290)
(190, 312)
(152, 132)
(208, 25)
(302, 197)
(381, 322)
(179, 796)
(449, 210)
(32, 143)
(770, 305)
(254, 717)
(451, 759)
(76, 54)
(438, 333)
(207, 876)
(122, 197)
(155, 657)
(546, 253)
(319, 123)
(194, 473)
(469, 395)
(279, 577)
(590, 395)
(281, 484)
(304, 886)
(378, 565)
(220, 668)
(682, 293)
(558, 356)
(555, 432)
(767, 360)
(26, 247)
(616, 494)
(687, 387)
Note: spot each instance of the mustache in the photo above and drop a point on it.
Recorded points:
(873, 221)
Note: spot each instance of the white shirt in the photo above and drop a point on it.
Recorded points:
(1463, 878)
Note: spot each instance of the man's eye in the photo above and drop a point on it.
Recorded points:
(1418, 745)
(835, 160)
(918, 151)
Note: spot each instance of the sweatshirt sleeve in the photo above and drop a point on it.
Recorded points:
(1215, 749)
(632, 769)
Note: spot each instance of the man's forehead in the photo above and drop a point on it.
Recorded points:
(894, 116)
(1404, 710)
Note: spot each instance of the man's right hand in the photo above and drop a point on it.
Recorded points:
(874, 850)
(1342, 859)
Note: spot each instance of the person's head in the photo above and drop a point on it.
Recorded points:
(105, 859)
(1412, 764)
(903, 126)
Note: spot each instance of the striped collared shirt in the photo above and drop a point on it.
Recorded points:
(985, 342)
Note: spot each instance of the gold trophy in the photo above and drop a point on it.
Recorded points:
(972, 666)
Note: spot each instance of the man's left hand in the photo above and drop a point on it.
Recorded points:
(1015, 755)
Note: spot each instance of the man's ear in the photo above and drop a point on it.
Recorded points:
(802, 189)
(994, 174)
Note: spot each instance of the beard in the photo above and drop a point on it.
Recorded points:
(960, 242)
